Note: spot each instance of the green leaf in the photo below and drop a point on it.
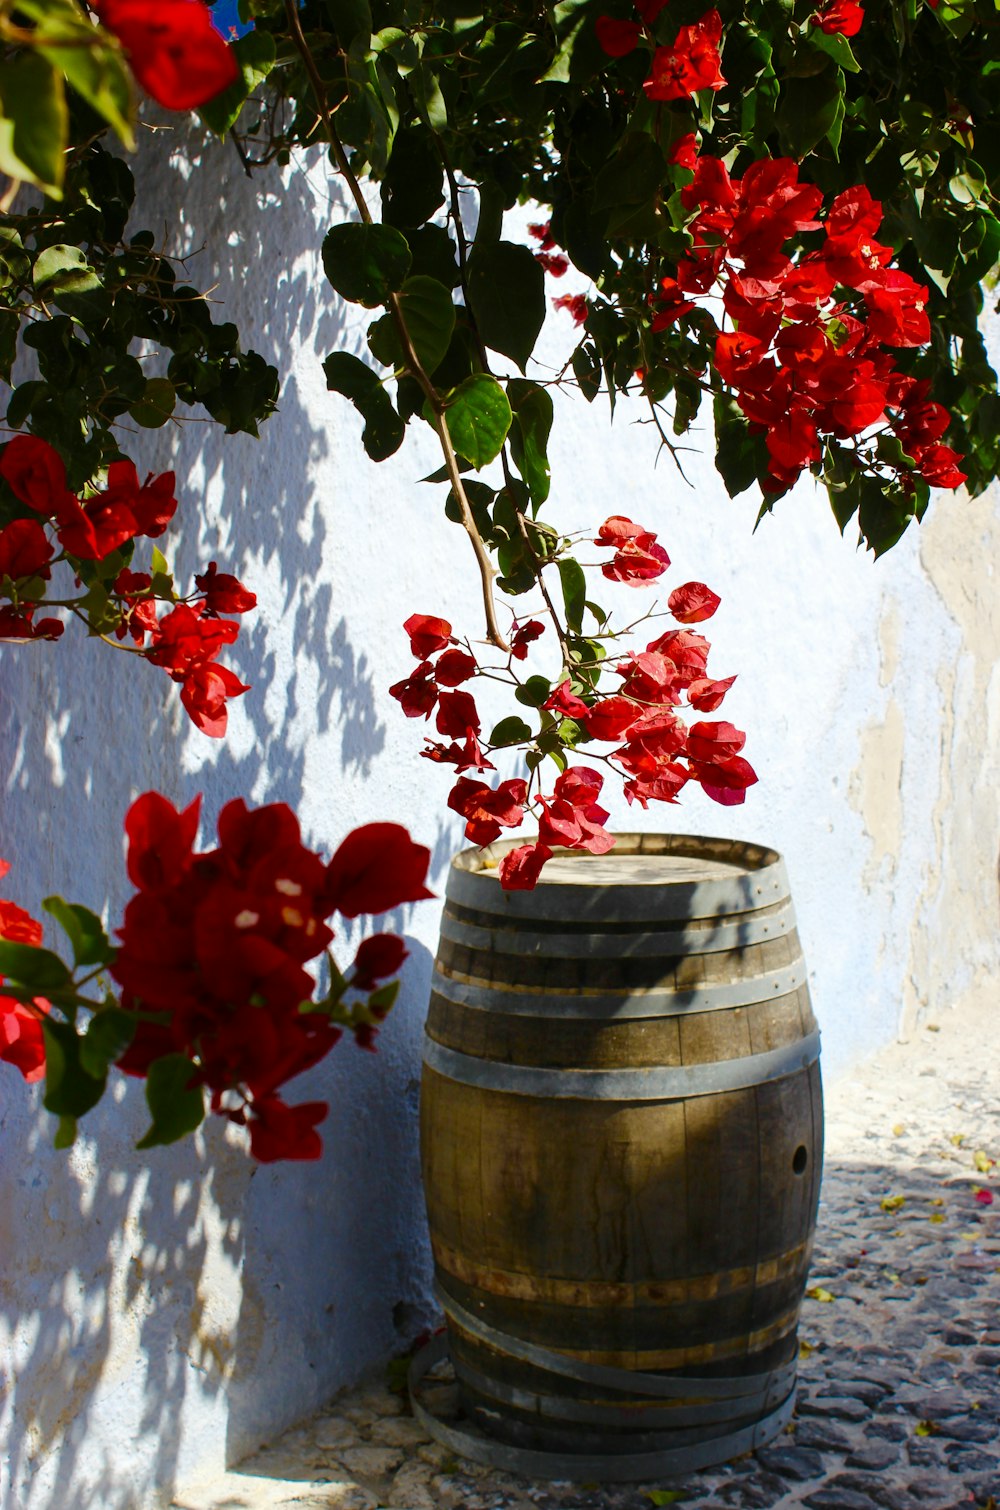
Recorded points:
(156, 405)
(15, 264)
(533, 692)
(429, 317)
(383, 999)
(176, 1106)
(108, 1035)
(510, 731)
(808, 109)
(478, 418)
(65, 1133)
(365, 263)
(36, 970)
(384, 430)
(34, 124)
(740, 458)
(507, 294)
(63, 270)
(352, 21)
(70, 1090)
(255, 53)
(412, 191)
(664, 1496)
(836, 46)
(85, 931)
(633, 175)
(529, 435)
(574, 588)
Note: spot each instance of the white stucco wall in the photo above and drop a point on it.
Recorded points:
(163, 1314)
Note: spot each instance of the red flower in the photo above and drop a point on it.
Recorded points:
(22, 1042)
(457, 714)
(417, 694)
(16, 624)
(520, 868)
(453, 668)
(377, 867)
(684, 152)
(278, 1131)
(937, 466)
(377, 957)
(427, 634)
(611, 717)
(35, 474)
(522, 638)
(173, 49)
(488, 809)
(160, 841)
(565, 702)
(693, 603)
(554, 263)
(844, 16)
(707, 695)
(691, 64)
(617, 38)
(223, 592)
(572, 817)
(725, 781)
(638, 558)
(25, 550)
(575, 305)
(714, 742)
(204, 692)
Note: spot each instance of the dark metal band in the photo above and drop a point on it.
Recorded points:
(657, 1083)
(647, 940)
(609, 1467)
(519, 1001)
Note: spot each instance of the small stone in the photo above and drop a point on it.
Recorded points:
(335, 1431)
(876, 1489)
(412, 1488)
(967, 1460)
(759, 1491)
(371, 1462)
(823, 1435)
(837, 1499)
(887, 1431)
(869, 1392)
(874, 1456)
(798, 1463)
(974, 1429)
(840, 1407)
(382, 1402)
(398, 1431)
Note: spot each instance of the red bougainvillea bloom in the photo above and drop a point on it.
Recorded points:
(611, 717)
(34, 472)
(25, 550)
(456, 714)
(173, 49)
(488, 809)
(572, 817)
(575, 305)
(278, 1131)
(427, 634)
(417, 694)
(223, 593)
(617, 38)
(844, 16)
(453, 668)
(186, 643)
(17, 624)
(377, 957)
(556, 264)
(564, 701)
(204, 693)
(520, 868)
(706, 695)
(22, 1042)
(638, 558)
(160, 841)
(693, 603)
(691, 64)
(684, 152)
(725, 781)
(377, 867)
(523, 636)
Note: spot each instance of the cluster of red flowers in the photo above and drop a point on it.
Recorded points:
(214, 948)
(21, 1040)
(811, 353)
(187, 640)
(173, 49)
(655, 752)
(689, 64)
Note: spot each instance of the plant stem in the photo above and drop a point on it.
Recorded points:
(487, 570)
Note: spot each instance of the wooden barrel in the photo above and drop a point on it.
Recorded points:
(621, 1127)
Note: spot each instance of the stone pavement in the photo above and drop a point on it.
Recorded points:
(899, 1397)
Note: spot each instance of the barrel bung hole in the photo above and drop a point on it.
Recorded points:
(800, 1159)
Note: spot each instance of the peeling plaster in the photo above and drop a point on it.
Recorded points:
(875, 792)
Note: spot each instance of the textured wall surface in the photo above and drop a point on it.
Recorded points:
(163, 1314)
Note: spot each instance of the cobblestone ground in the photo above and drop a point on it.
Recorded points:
(899, 1396)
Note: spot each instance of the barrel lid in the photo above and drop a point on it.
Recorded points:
(646, 876)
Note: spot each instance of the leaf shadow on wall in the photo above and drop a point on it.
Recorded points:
(126, 1348)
